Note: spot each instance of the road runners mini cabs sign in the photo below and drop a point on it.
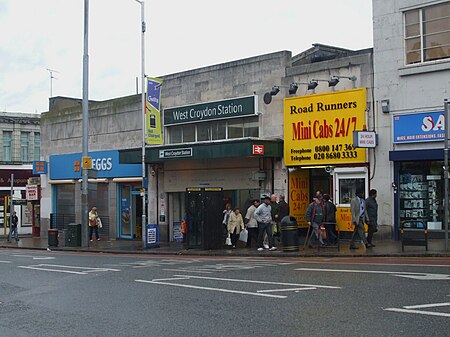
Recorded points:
(318, 129)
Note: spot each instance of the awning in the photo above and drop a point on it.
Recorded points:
(249, 147)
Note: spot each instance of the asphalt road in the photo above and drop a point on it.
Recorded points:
(83, 294)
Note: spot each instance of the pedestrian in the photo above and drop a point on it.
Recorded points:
(235, 225)
(371, 216)
(275, 210)
(357, 208)
(314, 218)
(284, 208)
(329, 217)
(13, 227)
(264, 218)
(251, 223)
(93, 223)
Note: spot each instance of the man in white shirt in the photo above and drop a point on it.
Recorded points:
(264, 218)
(251, 224)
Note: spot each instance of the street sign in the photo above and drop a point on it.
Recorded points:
(86, 162)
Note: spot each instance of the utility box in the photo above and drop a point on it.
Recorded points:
(73, 235)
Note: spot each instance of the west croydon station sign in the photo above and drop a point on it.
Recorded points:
(230, 108)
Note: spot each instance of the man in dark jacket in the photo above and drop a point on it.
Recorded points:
(13, 227)
(329, 210)
(284, 208)
(371, 215)
(314, 218)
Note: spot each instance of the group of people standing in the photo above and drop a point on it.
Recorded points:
(322, 212)
(261, 221)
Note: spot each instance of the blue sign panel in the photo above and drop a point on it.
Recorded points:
(419, 127)
(40, 167)
(67, 166)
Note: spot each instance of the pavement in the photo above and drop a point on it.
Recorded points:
(386, 247)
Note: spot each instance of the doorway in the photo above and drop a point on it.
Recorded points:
(130, 212)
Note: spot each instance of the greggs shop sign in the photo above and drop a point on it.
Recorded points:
(318, 129)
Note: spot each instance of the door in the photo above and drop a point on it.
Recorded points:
(126, 213)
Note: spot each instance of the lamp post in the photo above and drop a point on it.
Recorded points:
(144, 178)
(85, 122)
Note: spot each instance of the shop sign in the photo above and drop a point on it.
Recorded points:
(40, 167)
(175, 153)
(299, 197)
(106, 163)
(230, 108)
(153, 129)
(258, 149)
(20, 177)
(364, 139)
(32, 192)
(318, 129)
(419, 127)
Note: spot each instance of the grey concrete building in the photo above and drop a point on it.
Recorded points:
(217, 133)
(412, 71)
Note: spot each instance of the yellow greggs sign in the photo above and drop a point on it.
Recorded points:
(318, 129)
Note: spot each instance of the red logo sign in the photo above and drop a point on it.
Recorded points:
(258, 149)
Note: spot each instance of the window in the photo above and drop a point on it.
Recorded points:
(37, 146)
(215, 130)
(24, 146)
(427, 33)
(7, 146)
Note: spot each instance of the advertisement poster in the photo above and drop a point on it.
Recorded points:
(318, 129)
(299, 197)
(153, 127)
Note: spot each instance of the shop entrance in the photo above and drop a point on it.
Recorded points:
(130, 219)
(204, 208)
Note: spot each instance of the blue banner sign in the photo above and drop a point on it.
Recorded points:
(419, 127)
(67, 166)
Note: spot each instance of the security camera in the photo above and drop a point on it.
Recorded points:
(153, 173)
(328, 169)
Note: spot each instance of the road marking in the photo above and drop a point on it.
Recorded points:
(212, 289)
(422, 306)
(189, 271)
(417, 276)
(335, 262)
(419, 312)
(35, 257)
(5, 261)
(170, 279)
(258, 282)
(64, 269)
(289, 289)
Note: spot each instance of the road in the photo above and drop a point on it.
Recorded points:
(90, 294)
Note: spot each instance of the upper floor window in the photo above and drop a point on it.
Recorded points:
(37, 146)
(215, 130)
(24, 146)
(427, 33)
(7, 146)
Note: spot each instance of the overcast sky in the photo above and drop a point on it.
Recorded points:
(37, 35)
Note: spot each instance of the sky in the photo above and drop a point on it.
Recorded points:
(38, 35)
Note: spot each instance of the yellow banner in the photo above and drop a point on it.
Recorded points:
(153, 128)
(318, 129)
(299, 198)
(344, 219)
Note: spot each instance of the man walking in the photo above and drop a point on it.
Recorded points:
(357, 207)
(314, 218)
(264, 218)
(371, 216)
(251, 223)
(13, 228)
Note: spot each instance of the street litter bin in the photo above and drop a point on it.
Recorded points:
(52, 237)
(152, 236)
(289, 234)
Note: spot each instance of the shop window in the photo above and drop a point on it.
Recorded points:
(427, 33)
(175, 134)
(7, 146)
(348, 188)
(235, 129)
(219, 131)
(420, 192)
(188, 133)
(204, 131)
(251, 128)
(24, 146)
(37, 146)
(65, 196)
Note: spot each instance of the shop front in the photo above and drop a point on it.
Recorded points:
(418, 170)
(320, 152)
(115, 192)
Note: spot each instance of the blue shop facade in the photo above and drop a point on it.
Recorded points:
(113, 188)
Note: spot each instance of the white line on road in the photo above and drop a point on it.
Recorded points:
(418, 276)
(289, 289)
(212, 289)
(5, 261)
(190, 271)
(335, 262)
(35, 257)
(258, 282)
(420, 312)
(63, 268)
(54, 270)
(422, 306)
(170, 279)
